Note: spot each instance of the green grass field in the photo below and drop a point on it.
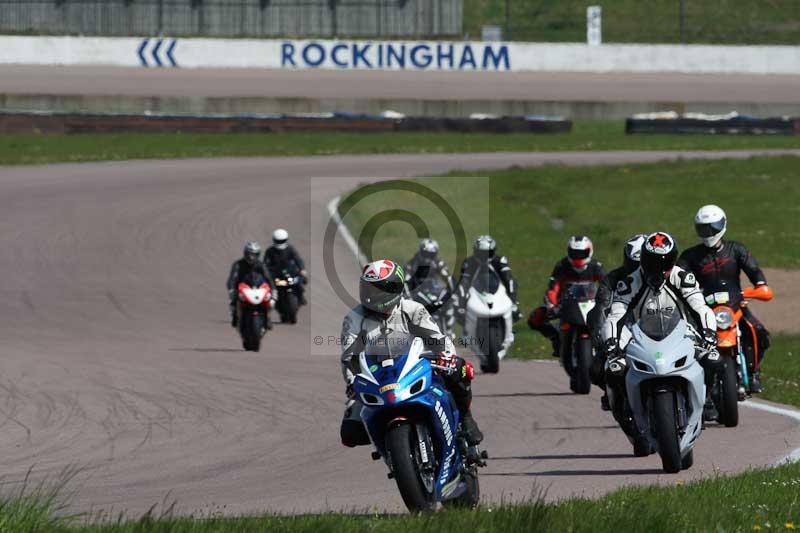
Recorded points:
(634, 21)
(753, 501)
(586, 135)
(532, 211)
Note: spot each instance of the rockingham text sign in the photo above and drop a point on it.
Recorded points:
(394, 55)
(166, 52)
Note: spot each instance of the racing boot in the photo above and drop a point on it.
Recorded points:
(234, 317)
(471, 430)
(604, 405)
(755, 383)
(642, 446)
(710, 412)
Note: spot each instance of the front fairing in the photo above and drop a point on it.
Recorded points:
(407, 388)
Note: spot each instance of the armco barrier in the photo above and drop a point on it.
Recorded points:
(165, 52)
(734, 126)
(40, 122)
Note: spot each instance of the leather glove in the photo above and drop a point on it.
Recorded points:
(447, 362)
(709, 339)
(611, 348)
(515, 314)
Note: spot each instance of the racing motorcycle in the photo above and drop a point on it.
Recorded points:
(288, 302)
(413, 422)
(576, 338)
(731, 383)
(434, 294)
(253, 310)
(488, 319)
(666, 386)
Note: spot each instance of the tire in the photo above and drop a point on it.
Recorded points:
(401, 444)
(666, 430)
(688, 460)
(291, 308)
(494, 340)
(583, 381)
(729, 395)
(251, 334)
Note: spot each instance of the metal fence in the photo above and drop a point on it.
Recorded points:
(235, 18)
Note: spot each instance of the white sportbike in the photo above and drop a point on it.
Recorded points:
(665, 386)
(488, 319)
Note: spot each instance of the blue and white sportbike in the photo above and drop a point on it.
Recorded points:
(413, 422)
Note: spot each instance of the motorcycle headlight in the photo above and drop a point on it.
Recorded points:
(724, 318)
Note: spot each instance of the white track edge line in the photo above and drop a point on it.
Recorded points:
(333, 211)
(794, 414)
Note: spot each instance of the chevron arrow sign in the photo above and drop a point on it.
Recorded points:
(157, 53)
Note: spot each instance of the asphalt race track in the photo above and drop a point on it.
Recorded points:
(326, 84)
(117, 356)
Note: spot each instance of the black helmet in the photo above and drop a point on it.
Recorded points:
(381, 286)
(631, 255)
(484, 247)
(659, 253)
(252, 251)
(428, 249)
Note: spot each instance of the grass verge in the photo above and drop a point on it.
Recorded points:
(586, 135)
(634, 21)
(532, 212)
(757, 500)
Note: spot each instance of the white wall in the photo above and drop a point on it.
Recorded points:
(400, 55)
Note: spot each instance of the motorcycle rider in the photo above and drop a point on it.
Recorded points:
(386, 323)
(240, 269)
(485, 251)
(630, 262)
(283, 256)
(425, 263)
(577, 266)
(717, 261)
(656, 288)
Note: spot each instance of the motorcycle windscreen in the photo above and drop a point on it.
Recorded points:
(582, 291)
(486, 280)
(657, 321)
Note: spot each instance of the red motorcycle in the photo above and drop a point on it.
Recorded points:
(255, 301)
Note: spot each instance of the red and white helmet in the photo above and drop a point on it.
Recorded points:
(579, 252)
(381, 286)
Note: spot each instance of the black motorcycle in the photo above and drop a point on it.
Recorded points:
(288, 286)
(434, 294)
(575, 335)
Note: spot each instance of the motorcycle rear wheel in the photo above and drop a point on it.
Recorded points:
(401, 444)
(665, 425)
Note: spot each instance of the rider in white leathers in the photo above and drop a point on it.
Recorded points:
(385, 324)
(657, 287)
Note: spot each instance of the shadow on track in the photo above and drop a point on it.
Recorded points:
(523, 394)
(626, 472)
(564, 456)
(205, 350)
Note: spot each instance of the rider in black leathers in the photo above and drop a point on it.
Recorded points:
(283, 256)
(718, 263)
(240, 269)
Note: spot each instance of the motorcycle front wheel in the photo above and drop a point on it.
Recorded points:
(583, 349)
(401, 443)
(728, 392)
(665, 425)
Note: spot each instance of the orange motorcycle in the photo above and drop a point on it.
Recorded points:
(731, 382)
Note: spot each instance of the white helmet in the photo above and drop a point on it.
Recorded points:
(579, 252)
(633, 251)
(280, 239)
(710, 224)
(428, 248)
